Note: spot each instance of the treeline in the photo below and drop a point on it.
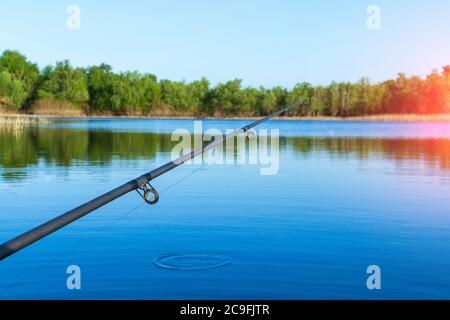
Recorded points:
(99, 90)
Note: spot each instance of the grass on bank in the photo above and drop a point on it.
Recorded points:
(18, 121)
(42, 112)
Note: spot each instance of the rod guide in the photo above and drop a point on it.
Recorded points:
(148, 193)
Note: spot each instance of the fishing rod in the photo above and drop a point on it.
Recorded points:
(140, 184)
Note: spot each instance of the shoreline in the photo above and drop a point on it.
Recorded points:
(372, 118)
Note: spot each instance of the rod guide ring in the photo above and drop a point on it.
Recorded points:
(149, 194)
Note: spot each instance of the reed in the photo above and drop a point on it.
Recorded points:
(41, 116)
(19, 121)
(394, 118)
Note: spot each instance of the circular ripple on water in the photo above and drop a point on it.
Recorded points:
(192, 262)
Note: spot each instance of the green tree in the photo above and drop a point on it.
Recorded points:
(267, 101)
(359, 97)
(436, 92)
(304, 91)
(230, 99)
(64, 83)
(18, 77)
(150, 93)
(198, 95)
(174, 95)
(12, 93)
(99, 87)
(99, 90)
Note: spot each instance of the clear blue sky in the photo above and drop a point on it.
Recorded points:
(262, 42)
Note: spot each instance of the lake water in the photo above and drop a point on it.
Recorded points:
(347, 195)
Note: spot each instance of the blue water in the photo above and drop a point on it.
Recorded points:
(347, 195)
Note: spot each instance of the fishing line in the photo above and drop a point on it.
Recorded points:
(170, 187)
(81, 242)
(70, 250)
(15, 245)
(140, 184)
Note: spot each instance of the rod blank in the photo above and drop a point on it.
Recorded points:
(14, 245)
